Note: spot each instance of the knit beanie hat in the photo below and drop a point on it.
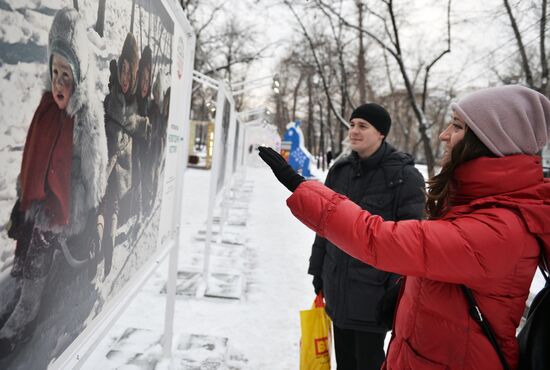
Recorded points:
(508, 119)
(68, 38)
(375, 115)
(130, 53)
(145, 62)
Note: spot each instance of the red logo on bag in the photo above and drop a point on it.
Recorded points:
(321, 346)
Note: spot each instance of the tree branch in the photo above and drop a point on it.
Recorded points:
(521, 46)
(446, 51)
(543, 61)
(318, 64)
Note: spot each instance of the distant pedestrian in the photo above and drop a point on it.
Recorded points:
(329, 157)
(489, 209)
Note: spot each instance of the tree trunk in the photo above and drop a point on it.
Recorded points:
(295, 96)
(330, 130)
(361, 56)
(100, 23)
(543, 60)
(343, 103)
(132, 17)
(75, 5)
(310, 119)
(521, 46)
(321, 137)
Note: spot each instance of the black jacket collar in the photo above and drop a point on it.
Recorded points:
(390, 160)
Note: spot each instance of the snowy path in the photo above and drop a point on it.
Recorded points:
(262, 328)
(259, 331)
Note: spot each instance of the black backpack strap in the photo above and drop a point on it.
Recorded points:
(475, 313)
(543, 265)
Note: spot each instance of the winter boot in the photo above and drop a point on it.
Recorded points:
(19, 326)
(95, 229)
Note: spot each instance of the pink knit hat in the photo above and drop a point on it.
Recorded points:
(509, 119)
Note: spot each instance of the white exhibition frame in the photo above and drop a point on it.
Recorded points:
(240, 147)
(228, 167)
(218, 163)
(80, 349)
(217, 196)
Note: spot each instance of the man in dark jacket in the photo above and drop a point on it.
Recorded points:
(385, 182)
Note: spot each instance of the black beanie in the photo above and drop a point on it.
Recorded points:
(375, 115)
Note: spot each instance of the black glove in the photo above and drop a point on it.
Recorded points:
(317, 283)
(280, 167)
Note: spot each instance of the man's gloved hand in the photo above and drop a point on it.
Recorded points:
(280, 167)
(317, 283)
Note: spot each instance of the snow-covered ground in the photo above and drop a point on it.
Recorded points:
(258, 331)
(261, 330)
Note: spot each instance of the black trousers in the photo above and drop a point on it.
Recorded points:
(358, 350)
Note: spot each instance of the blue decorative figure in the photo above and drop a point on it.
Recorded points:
(298, 157)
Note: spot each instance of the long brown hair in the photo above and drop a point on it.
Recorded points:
(439, 186)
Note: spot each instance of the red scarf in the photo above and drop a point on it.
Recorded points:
(47, 158)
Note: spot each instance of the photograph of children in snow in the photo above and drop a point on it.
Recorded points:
(85, 95)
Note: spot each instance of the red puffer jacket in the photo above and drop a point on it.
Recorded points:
(486, 241)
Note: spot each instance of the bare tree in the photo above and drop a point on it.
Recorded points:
(223, 49)
(540, 82)
(294, 70)
(341, 75)
(394, 48)
(318, 64)
(361, 53)
(235, 45)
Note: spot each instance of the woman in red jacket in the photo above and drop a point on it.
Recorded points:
(488, 209)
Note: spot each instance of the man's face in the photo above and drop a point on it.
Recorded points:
(145, 79)
(364, 138)
(125, 76)
(62, 81)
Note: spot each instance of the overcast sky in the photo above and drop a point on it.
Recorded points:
(481, 37)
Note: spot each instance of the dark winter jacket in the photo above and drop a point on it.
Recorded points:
(159, 124)
(385, 184)
(122, 124)
(146, 151)
(486, 241)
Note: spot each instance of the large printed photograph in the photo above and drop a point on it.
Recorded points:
(84, 95)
